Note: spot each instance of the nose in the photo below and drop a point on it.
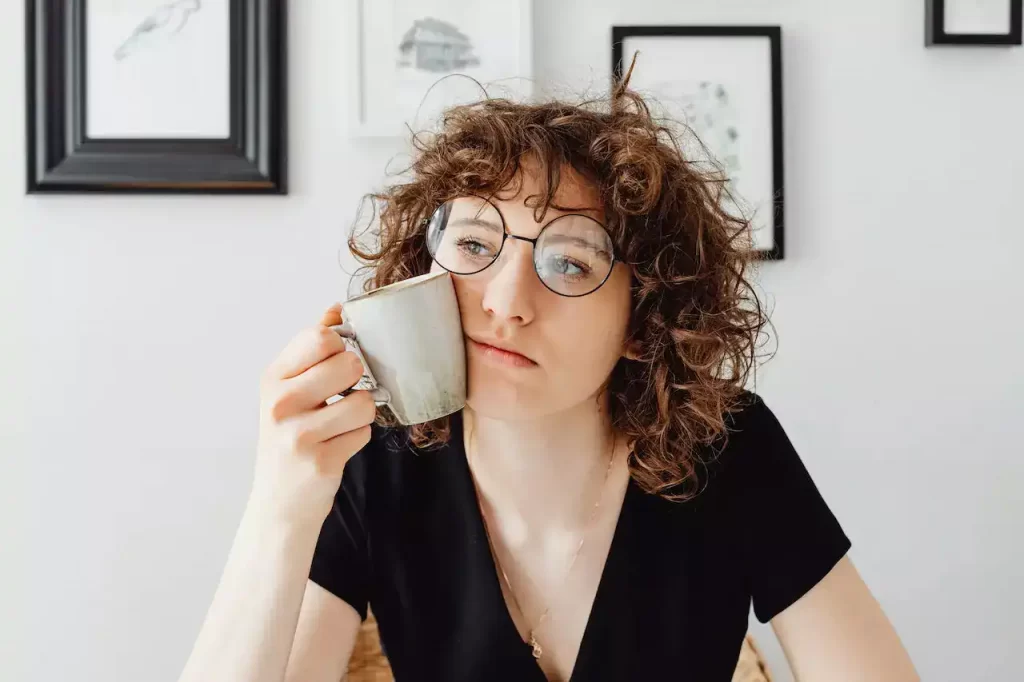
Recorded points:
(509, 294)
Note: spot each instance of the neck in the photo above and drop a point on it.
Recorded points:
(538, 469)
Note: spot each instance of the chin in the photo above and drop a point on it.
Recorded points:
(493, 398)
(497, 398)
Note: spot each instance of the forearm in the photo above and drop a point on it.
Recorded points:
(250, 626)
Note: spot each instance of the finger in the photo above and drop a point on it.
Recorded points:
(318, 383)
(352, 412)
(332, 455)
(331, 316)
(308, 347)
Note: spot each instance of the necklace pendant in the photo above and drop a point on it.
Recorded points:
(537, 651)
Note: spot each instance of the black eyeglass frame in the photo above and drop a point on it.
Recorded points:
(505, 235)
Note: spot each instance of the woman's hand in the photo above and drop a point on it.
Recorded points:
(304, 443)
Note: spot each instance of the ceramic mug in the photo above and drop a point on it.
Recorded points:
(409, 338)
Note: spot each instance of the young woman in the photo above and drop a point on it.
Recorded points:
(611, 500)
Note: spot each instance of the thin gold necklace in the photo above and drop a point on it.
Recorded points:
(535, 646)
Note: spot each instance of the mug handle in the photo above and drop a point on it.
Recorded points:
(381, 396)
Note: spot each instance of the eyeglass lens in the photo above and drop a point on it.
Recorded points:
(572, 256)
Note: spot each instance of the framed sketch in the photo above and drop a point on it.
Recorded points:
(156, 96)
(724, 83)
(973, 22)
(417, 57)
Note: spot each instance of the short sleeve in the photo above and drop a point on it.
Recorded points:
(341, 558)
(791, 537)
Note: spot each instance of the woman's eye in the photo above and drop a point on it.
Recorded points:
(567, 267)
(473, 247)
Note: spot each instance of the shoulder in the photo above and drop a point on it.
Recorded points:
(767, 496)
(390, 464)
(754, 468)
(754, 439)
(386, 454)
(750, 418)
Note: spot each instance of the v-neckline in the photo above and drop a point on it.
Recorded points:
(611, 567)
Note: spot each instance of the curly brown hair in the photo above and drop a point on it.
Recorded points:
(695, 319)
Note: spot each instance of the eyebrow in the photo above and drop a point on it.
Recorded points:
(478, 222)
(553, 239)
(579, 241)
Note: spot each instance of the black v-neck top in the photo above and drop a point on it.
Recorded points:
(406, 537)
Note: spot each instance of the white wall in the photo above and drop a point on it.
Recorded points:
(134, 330)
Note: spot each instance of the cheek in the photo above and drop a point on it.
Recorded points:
(592, 345)
(468, 295)
(591, 335)
(611, 309)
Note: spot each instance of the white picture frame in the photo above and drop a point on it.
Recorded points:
(411, 56)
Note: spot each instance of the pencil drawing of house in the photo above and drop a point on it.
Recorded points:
(434, 45)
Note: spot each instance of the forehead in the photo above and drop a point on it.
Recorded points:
(528, 191)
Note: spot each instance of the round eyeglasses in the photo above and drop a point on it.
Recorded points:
(573, 254)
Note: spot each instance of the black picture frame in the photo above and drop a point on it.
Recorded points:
(61, 158)
(774, 36)
(936, 35)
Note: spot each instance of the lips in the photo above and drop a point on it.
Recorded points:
(494, 350)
